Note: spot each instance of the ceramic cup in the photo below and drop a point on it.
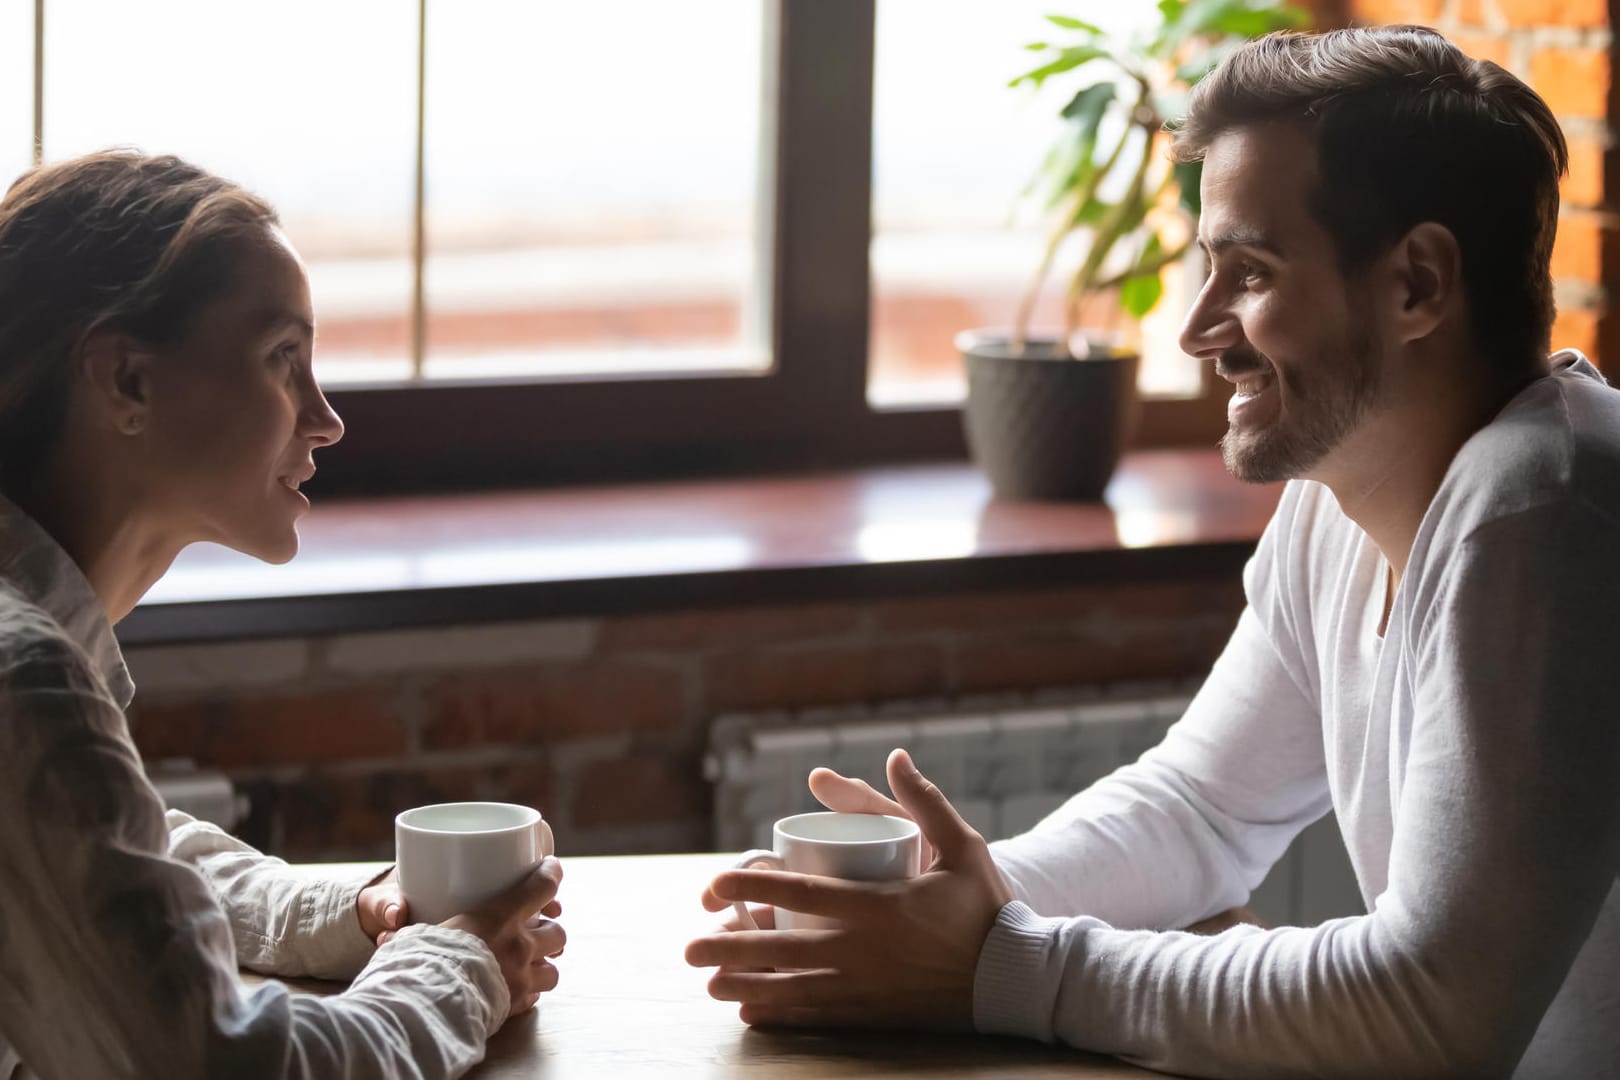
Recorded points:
(453, 856)
(856, 847)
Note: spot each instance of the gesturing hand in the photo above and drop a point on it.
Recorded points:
(906, 951)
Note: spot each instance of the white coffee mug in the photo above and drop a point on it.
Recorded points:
(855, 847)
(454, 856)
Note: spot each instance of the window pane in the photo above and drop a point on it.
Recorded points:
(593, 176)
(952, 247)
(308, 102)
(16, 89)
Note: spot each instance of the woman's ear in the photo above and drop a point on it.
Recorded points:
(117, 373)
(1427, 278)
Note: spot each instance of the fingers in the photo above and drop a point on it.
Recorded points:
(552, 910)
(929, 808)
(768, 949)
(550, 938)
(807, 893)
(764, 917)
(531, 894)
(782, 989)
(850, 795)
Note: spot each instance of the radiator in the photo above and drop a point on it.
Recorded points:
(1004, 767)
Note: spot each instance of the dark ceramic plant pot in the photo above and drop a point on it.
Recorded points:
(1045, 425)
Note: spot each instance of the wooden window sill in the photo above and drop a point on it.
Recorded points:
(596, 551)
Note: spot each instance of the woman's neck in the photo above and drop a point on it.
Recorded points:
(119, 552)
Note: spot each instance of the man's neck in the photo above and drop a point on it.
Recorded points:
(1387, 473)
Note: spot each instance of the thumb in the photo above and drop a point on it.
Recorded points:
(925, 804)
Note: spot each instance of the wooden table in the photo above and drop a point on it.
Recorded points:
(628, 1004)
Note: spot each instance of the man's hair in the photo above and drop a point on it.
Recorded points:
(110, 241)
(1410, 130)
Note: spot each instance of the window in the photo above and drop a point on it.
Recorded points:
(16, 90)
(592, 189)
(554, 241)
(954, 246)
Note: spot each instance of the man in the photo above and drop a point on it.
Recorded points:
(1429, 647)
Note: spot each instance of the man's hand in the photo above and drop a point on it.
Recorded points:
(906, 952)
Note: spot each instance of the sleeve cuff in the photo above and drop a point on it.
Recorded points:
(457, 956)
(336, 946)
(1020, 969)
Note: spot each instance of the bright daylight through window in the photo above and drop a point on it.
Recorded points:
(954, 246)
(591, 169)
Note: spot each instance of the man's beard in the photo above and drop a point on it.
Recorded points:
(1325, 399)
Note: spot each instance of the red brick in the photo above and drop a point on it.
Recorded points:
(1492, 47)
(701, 630)
(324, 817)
(1574, 82)
(640, 790)
(1473, 13)
(537, 706)
(527, 782)
(257, 732)
(1529, 13)
(1396, 11)
(830, 676)
(1583, 186)
(1576, 330)
(1578, 251)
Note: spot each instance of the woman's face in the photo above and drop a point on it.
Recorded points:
(234, 414)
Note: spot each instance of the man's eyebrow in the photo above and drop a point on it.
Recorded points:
(1240, 236)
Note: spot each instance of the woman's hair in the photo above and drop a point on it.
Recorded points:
(110, 241)
(1408, 130)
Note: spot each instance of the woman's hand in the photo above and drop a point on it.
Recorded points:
(518, 928)
(381, 907)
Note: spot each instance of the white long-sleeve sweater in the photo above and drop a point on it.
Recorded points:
(1472, 755)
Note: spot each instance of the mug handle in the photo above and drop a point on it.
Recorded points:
(747, 861)
(548, 845)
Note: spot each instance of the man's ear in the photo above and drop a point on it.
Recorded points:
(1426, 280)
(117, 370)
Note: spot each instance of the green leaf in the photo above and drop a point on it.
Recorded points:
(1188, 174)
(1087, 107)
(1038, 46)
(1092, 212)
(1138, 295)
(1068, 22)
(1067, 60)
(1170, 10)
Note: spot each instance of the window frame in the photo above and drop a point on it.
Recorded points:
(808, 410)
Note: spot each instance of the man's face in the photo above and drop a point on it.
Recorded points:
(1294, 337)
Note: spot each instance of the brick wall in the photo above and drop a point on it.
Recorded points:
(1564, 49)
(603, 723)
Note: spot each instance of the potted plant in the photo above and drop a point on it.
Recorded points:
(1047, 417)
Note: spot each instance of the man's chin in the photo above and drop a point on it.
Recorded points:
(1255, 459)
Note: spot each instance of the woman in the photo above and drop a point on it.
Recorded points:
(156, 390)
